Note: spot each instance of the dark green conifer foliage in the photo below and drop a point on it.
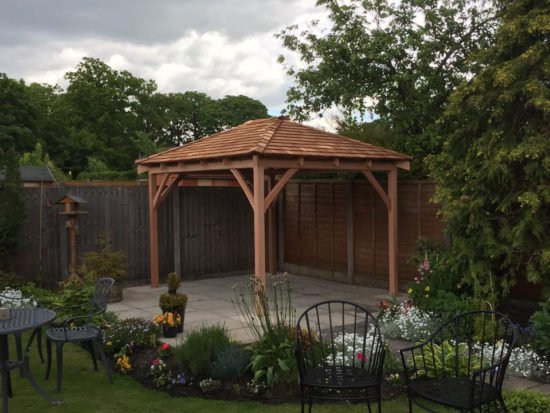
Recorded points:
(493, 175)
(12, 208)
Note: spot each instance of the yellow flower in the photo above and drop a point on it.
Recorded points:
(427, 288)
(410, 291)
(109, 343)
(123, 364)
(427, 296)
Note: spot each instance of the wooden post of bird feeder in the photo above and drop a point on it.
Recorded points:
(72, 210)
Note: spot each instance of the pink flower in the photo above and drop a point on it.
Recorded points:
(361, 357)
(155, 362)
(166, 346)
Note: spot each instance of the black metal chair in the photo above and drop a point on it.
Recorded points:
(86, 334)
(340, 354)
(462, 364)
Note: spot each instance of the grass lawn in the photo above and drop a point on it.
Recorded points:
(86, 391)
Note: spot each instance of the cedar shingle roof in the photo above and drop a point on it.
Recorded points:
(277, 136)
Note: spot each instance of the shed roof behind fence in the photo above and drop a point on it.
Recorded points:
(277, 136)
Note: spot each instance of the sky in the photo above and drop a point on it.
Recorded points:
(219, 47)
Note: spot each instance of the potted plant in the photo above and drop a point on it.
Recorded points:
(106, 263)
(172, 301)
(170, 323)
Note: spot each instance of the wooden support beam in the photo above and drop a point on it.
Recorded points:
(392, 233)
(259, 221)
(406, 165)
(376, 185)
(278, 187)
(242, 182)
(153, 233)
(167, 191)
(159, 190)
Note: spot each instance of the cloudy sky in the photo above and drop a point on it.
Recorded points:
(219, 47)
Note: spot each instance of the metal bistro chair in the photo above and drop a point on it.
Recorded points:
(340, 354)
(462, 365)
(88, 334)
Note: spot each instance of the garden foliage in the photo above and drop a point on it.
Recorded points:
(139, 332)
(231, 362)
(397, 60)
(270, 317)
(540, 322)
(493, 172)
(200, 349)
(104, 263)
(12, 208)
(527, 401)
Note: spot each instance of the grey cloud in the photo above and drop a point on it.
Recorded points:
(141, 21)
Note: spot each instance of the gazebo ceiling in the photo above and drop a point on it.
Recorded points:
(276, 137)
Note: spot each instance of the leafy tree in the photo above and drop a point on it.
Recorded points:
(184, 117)
(493, 175)
(17, 115)
(105, 105)
(12, 208)
(234, 110)
(106, 119)
(399, 60)
(39, 158)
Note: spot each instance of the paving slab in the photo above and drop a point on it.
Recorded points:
(210, 300)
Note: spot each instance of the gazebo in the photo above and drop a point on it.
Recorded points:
(267, 153)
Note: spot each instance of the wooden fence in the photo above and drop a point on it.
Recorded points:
(330, 229)
(213, 228)
(339, 230)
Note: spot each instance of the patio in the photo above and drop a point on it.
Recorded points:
(210, 300)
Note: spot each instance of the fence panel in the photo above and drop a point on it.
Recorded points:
(216, 228)
(324, 219)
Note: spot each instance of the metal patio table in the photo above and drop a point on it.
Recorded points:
(22, 319)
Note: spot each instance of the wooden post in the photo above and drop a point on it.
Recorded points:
(72, 239)
(392, 232)
(259, 220)
(350, 246)
(281, 231)
(177, 230)
(272, 235)
(153, 232)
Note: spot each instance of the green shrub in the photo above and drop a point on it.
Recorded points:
(540, 325)
(173, 300)
(173, 282)
(104, 263)
(141, 333)
(231, 362)
(526, 401)
(273, 361)
(201, 347)
(443, 360)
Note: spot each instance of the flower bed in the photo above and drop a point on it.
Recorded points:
(408, 322)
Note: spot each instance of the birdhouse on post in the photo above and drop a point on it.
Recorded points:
(72, 210)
